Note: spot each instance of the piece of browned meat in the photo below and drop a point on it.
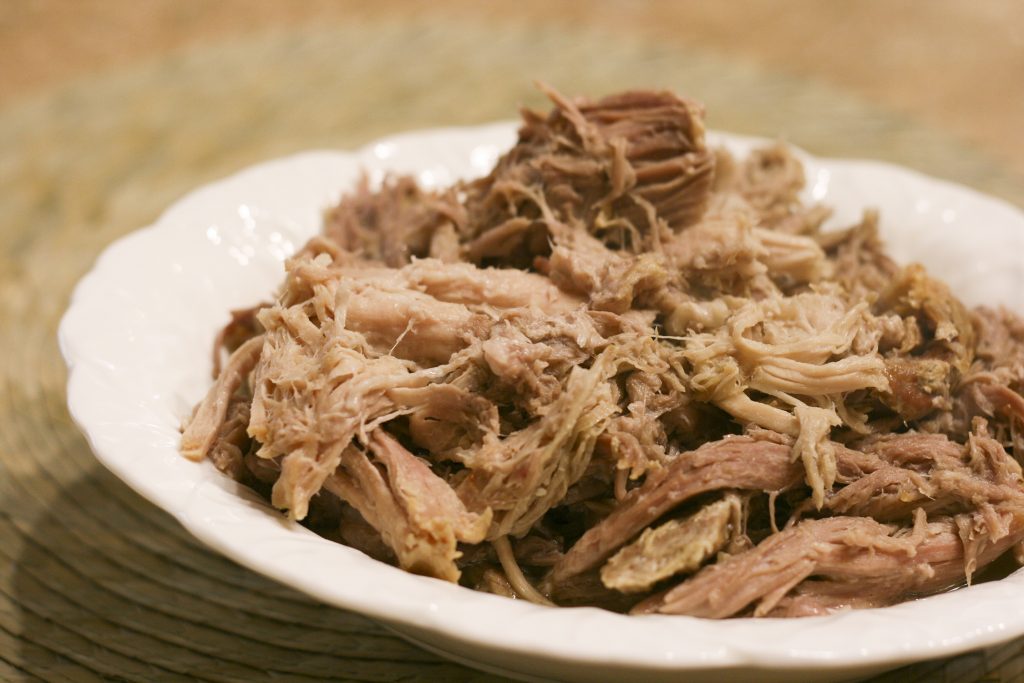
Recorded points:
(625, 168)
(733, 463)
(679, 546)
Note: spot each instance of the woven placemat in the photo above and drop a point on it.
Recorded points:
(96, 583)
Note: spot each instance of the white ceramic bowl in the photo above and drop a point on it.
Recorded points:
(137, 340)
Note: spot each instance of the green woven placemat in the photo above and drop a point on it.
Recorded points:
(96, 583)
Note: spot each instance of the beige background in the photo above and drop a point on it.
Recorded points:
(956, 65)
(109, 110)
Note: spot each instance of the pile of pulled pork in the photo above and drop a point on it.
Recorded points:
(628, 370)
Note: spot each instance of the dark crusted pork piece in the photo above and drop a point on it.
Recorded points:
(626, 168)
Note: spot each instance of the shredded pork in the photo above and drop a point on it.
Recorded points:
(626, 369)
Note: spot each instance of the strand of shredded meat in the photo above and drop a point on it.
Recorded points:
(626, 369)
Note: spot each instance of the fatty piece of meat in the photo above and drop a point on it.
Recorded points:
(683, 314)
(416, 512)
(393, 223)
(809, 327)
(736, 462)
(428, 311)
(842, 549)
(410, 324)
(774, 374)
(464, 283)
(679, 546)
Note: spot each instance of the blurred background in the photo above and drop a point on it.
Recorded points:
(112, 109)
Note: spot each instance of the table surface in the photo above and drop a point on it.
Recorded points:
(110, 110)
